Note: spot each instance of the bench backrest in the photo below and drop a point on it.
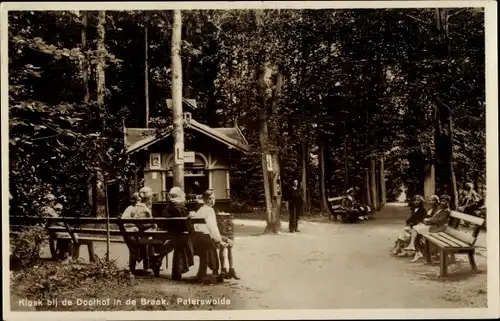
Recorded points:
(173, 226)
(470, 239)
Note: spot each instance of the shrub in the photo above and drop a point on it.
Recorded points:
(25, 247)
(55, 280)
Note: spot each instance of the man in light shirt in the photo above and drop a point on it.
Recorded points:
(211, 229)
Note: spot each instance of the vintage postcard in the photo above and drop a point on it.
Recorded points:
(250, 160)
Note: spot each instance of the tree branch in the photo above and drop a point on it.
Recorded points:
(417, 19)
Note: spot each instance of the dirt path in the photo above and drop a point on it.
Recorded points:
(329, 266)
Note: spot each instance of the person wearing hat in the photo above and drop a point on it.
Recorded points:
(295, 202)
(127, 214)
(435, 224)
(471, 201)
(143, 208)
(417, 216)
(53, 209)
(352, 205)
(183, 247)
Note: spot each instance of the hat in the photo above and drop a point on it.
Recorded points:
(145, 192)
(433, 198)
(176, 193)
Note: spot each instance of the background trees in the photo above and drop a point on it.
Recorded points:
(337, 88)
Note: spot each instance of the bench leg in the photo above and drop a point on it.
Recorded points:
(444, 265)
(453, 259)
(53, 251)
(76, 251)
(90, 247)
(427, 251)
(472, 261)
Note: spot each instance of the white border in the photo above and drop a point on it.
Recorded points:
(492, 311)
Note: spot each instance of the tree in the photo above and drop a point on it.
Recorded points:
(177, 116)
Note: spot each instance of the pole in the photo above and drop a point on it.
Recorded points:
(108, 238)
(146, 72)
(178, 130)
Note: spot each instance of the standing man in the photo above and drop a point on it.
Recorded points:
(295, 201)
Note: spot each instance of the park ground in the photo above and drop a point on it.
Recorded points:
(327, 265)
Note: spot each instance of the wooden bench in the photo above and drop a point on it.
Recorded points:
(336, 209)
(78, 232)
(453, 241)
(153, 245)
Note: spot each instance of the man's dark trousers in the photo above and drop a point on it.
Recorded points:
(294, 208)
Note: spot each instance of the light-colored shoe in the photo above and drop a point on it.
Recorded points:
(417, 257)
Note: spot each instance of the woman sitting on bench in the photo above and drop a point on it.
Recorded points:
(182, 244)
(208, 239)
(434, 224)
(417, 216)
(353, 206)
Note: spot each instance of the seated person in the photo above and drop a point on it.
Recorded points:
(353, 206)
(208, 238)
(127, 214)
(471, 201)
(182, 245)
(142, 209)
(417, 216)
(53, 209)
(435, 224)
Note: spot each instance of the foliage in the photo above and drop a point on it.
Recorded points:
(53, 280)
(371, 83)
(25, 247)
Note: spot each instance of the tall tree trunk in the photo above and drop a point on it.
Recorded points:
(85, 66)
(383, 191)
(303, 185)
(146, 72)
(101, 85)
(373, 183)
(367, 193)
(452, 170)
(268, 140)
(178, 130)
(346, 159)
(86, 99)
(429, 180)
(324, 203)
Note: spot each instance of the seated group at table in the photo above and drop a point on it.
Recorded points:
(204, 243)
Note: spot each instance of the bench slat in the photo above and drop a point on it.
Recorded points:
(452, 239)
(451, 243)
(432, 239)
(84, 230)
(112, 220)
(468, 218)
(467, 238)
(83, 239)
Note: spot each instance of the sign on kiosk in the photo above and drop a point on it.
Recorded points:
(188, 157)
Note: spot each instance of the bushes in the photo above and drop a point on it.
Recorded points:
(25, 248)
(68, 280)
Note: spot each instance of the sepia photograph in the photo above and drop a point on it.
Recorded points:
(204, 159)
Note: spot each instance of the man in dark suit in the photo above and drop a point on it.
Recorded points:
(295, 202)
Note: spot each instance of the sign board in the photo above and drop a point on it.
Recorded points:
(269, 162)
(178, 153)
(188, 157)
(155, 161)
